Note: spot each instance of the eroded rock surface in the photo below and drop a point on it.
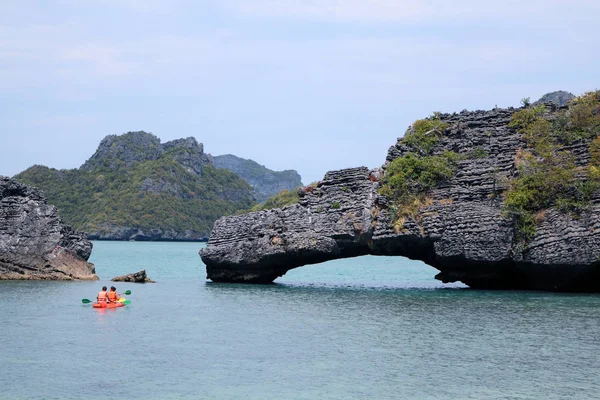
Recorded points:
(135, 277)
(463, 232)
(331, 221)
(559, 98)
(34, 242)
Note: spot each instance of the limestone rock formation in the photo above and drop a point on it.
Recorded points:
(462, 231)
(34, 242)
(559, 98)
(332, 220)
(135, 277)
(132, 148)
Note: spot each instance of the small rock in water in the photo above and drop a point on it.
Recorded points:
(136, 277)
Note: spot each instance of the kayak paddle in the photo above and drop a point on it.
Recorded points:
(85, 301)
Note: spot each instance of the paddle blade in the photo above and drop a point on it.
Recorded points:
(85, 301)
(127, 302)
(127, 292)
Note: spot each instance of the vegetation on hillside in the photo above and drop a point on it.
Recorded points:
(266, 182)
(409, 179)
(548, 176)
(424, 134)
(282, 199)
(150, 194)
(250, 169)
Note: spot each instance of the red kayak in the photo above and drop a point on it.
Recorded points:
(108, 305)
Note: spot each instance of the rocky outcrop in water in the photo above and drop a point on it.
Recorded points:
(462, 231)
(34, 242)
(135, 277)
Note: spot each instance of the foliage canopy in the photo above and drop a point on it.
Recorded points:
(547, 174)
(153, 194)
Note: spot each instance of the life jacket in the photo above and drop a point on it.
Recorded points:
(102, 296)
(112, 296)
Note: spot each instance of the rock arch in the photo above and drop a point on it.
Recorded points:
(344, 216)
(461, 231)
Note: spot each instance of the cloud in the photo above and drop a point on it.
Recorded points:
(143, 6)
(66, 120)
(37, 55)
(56, 55)
(411, 11)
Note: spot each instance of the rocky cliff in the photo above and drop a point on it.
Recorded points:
(132, 148)
(34, 242)
(559, 98)
(266, 183)
(452, 195)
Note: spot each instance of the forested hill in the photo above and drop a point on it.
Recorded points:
(136, 188)
(265, 182)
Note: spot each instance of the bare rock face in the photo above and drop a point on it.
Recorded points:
(136, 277)
(463, 232)
(331, 221)
(559, 98)
(34, 242)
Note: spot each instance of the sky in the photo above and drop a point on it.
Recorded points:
(312, 85)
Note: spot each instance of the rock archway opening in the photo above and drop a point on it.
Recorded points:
(367, 271)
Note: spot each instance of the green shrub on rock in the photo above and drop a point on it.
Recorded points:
(280, 200)
(584, 115)
(525, 117)
(478, 153)
(540, 185)
(411, 173)
(409, 179)
(547, 175)
(424, 134)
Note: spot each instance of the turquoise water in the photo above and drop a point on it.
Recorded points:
(363, 328)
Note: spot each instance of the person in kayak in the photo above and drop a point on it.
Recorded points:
(102, 295)
(112, 296)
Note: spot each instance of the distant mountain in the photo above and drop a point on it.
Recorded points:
(136, 188)
(266, 183)
(560, 98)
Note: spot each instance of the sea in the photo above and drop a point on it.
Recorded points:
(359, 328)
